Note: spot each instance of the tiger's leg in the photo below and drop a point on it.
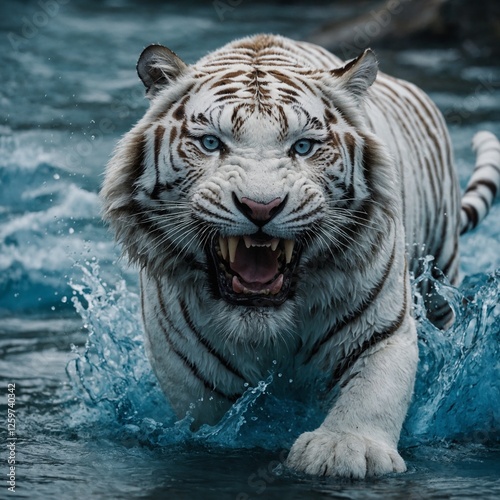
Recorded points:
(178, 361)
(360, 434)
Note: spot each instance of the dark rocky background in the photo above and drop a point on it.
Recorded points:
(474, 27)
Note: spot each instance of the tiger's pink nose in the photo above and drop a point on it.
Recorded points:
(259, 213)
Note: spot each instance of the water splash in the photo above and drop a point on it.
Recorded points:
(114, 383)
(111, 377)
(227, 430)
(456, 394)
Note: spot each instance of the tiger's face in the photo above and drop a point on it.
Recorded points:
(253, 172)
(259, 198)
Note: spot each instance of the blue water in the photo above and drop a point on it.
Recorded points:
(90, 418)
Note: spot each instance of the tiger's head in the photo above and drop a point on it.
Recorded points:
(249, 168)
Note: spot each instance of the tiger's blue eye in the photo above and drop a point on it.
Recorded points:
(302, 147)
(211, 142)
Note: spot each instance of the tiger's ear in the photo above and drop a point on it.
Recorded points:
(357, 75)
(158, 66)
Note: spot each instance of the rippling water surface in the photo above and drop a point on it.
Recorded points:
(91, 420)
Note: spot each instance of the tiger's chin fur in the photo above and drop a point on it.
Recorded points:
(254, 327)
(276, 200)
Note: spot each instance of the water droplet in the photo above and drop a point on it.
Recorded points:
(280, 374)
(290, 380)
(64, 299)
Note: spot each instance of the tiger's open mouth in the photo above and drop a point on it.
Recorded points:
(255, 270)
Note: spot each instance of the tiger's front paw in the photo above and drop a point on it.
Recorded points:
(326, 453)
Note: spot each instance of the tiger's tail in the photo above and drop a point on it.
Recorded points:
(484, 182)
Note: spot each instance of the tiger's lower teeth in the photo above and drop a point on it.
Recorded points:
(275, 287)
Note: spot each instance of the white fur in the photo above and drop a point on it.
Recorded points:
(205, 351)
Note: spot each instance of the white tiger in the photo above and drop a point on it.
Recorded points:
(276, 202)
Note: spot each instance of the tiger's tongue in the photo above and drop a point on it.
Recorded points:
(255, 265)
